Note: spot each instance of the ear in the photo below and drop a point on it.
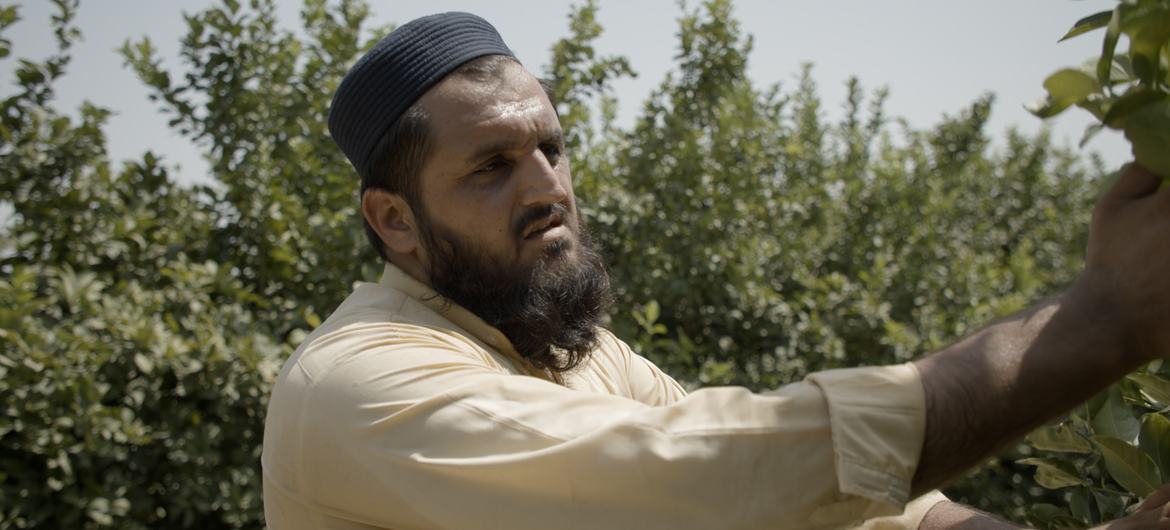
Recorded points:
(392, 219)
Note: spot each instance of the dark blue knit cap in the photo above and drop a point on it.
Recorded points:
(397, 71)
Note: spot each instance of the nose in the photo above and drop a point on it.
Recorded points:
(541, 184)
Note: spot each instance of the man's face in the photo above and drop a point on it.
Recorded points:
(498, 223)
(497, 176)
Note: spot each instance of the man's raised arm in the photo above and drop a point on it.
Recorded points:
(996, 385)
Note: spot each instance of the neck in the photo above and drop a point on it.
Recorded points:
(410, 264)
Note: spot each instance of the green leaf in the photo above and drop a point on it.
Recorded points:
(312, 319)
(1087, 24)
(1133, 469)
(1091, 130)
(144, 363)
(1109, 505)
(1156, 387)
(1120, 72)
(1078, 504)
(1166, 60)
(1115, 418)
(1044, 108)
(1148, 131)
(1155, 441)
(1105, 63)
(8, 16)
(29, 73)
(1147, 43)
(1052, 473)
(1131, 102)
(1050, 516)
(1067, 87)
(1060, 438)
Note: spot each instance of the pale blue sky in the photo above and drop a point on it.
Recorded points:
(935, 56)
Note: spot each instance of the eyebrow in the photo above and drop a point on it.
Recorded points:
(556, 136)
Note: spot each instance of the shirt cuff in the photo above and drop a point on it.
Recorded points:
(910, 519)
(878, 419)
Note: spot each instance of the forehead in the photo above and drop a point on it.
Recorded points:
(465, 107)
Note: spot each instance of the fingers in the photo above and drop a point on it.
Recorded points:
(1164, 193)
(1153, 513)
(1158, 498)
(1135, 182)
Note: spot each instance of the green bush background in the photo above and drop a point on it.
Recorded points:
(751, 242)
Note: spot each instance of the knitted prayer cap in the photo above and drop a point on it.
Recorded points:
(397, 71)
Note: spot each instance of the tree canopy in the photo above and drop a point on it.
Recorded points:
(750, 239)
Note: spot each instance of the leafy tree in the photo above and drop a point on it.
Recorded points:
(776, 243)
(761, 242)
(256, 98)
(751, 240)
(143, 321)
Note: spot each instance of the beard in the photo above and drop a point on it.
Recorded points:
(549, 310)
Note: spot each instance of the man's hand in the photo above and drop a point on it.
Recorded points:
(1126, 268)
(996, 385)
(1154, 512)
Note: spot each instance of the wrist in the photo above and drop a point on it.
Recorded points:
(1108, 322)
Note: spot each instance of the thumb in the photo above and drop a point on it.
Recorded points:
(1158, 498)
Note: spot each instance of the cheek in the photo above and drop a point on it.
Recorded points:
(568, 182)
(483, 217)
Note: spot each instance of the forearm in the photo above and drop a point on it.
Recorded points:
(995, 386)
(949, 515)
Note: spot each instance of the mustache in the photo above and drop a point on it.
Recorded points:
(537, 213)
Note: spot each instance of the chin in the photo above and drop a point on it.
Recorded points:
(561, 248)
(555, 255)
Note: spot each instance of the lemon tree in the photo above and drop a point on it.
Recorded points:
(1127, 91)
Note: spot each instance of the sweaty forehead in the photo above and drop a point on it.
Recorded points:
(512, 96)
(527, 108)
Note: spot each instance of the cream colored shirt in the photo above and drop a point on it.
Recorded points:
(402, 411)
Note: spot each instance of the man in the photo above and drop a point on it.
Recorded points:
(473, 388)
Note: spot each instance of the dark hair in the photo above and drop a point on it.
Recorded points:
(398, 159)
(400, 154)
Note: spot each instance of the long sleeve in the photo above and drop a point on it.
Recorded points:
(642, 380)
(398, 429)
(648, 384)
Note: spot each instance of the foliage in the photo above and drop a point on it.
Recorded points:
(1108, 454)
(776, 243)
(256, 98)
(577, 75)
(1129, 453)
(751, 240)
(143, 322)
(1130, 91)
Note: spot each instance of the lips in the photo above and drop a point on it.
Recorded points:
(547, 223)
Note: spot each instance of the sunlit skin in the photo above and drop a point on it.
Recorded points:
(497, 153)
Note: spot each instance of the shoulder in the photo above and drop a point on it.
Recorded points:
(379, 327)
(631, 374)
(612, 357)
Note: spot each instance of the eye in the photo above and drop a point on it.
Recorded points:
(552, 153)
(492, 166)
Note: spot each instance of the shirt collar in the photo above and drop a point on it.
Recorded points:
(395, 278)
